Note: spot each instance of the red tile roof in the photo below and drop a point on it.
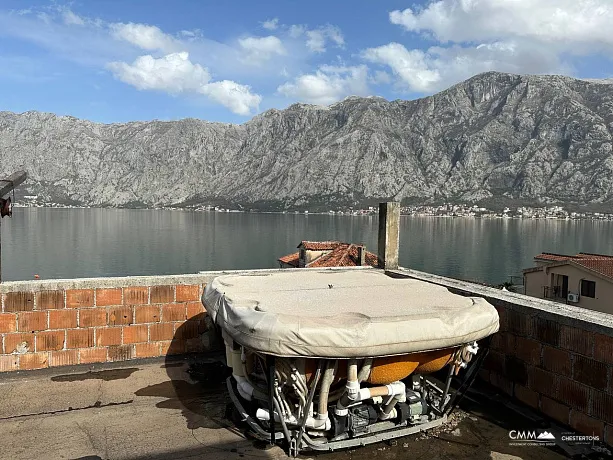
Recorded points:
(344, 255)
(291, 259)
(591, 256)
(599, 263)
(554, 257)
(562, 257)
(319, 245)
(340, 255)
(532, 269)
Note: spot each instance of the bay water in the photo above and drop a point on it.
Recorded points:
(77, 243)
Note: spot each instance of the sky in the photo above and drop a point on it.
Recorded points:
(123, 60)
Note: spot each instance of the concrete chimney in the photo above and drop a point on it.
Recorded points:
(361, 255)
(389, 235)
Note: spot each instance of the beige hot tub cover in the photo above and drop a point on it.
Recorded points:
(344, 313)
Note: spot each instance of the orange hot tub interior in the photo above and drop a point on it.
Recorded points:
(392, 368)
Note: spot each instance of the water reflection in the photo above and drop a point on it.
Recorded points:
(68, 243)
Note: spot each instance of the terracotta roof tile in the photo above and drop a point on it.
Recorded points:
(532, 270)
(344, 255)
(320, 245)
(599, 263)
(561, 257)
(290, 259)
(588, 255)
(554, 257)
(340, 255)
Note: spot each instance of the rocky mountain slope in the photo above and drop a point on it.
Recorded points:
(494, 136)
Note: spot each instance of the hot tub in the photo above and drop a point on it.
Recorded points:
(328, 359)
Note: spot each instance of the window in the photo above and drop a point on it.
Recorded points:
(588, 288)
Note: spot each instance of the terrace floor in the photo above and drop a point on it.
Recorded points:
(177, 410)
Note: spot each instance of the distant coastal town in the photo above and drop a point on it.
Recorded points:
(444, 210)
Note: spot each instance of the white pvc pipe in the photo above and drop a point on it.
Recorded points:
(394, 389)
(245, 389)
(325, 390)
(264, 415)
(352, 370)
(398, 395)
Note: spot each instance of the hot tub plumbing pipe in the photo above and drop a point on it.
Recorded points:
(326, 382)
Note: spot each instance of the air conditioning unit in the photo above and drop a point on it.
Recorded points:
(573, 297)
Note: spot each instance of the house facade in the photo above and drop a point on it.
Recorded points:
(584, 280)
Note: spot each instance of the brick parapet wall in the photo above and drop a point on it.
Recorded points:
(564, 371)
(66, 322)
(554, 357)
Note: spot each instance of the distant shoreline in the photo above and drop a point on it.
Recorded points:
(362, 213)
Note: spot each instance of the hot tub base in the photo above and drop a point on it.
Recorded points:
(421, 404)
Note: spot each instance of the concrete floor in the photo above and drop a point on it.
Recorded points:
(176, 410)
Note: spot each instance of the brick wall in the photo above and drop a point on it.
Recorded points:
(556, 358)
(563, 370)
(57, 323)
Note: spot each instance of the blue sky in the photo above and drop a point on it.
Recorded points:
(122, 60)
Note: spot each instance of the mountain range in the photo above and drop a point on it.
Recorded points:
(494, 138)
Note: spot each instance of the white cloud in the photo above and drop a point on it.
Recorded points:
(144, 36)
(518, 36)
(410, 66)
(271, 24)
(317, 39)
(22, 12)
(173, 73)
(71, 18)
(44, 17)
(562, 22)
(238, 98)
(439, 67)
(457, 63)
(176, 74)
(329, 84)
(261, 49)
(381, 77)
(190, 35)
(296, 30)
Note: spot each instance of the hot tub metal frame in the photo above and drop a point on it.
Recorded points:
(381, 431)
(298, 440)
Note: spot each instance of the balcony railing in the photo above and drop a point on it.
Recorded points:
(553, 293)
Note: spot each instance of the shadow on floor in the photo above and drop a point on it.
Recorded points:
(196, 384)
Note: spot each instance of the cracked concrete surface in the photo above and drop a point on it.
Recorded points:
(175, 410)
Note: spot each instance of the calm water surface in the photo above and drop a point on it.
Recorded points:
(71, 243)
